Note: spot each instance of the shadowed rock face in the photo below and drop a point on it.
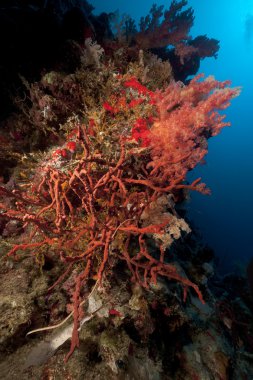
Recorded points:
(34, 38)
(250, 276)
(26, 44)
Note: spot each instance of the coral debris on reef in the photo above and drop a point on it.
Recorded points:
(96, 159)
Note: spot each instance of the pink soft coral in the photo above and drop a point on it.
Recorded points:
(187, 117)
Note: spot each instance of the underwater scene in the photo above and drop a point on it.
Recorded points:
(125, 200)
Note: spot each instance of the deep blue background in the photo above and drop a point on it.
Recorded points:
(224, 218)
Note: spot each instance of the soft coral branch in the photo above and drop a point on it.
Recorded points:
(170, 28)
(173, 28)
(187, 117)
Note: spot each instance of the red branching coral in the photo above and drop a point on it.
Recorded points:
(187, 116)
(172, 29)
(86, 205)
(163, 28)
(206, 47)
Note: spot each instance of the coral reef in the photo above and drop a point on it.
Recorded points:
(96, 160)
(85, 202)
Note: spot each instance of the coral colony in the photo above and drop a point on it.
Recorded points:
(122, 133)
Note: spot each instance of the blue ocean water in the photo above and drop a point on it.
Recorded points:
(225, 217)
